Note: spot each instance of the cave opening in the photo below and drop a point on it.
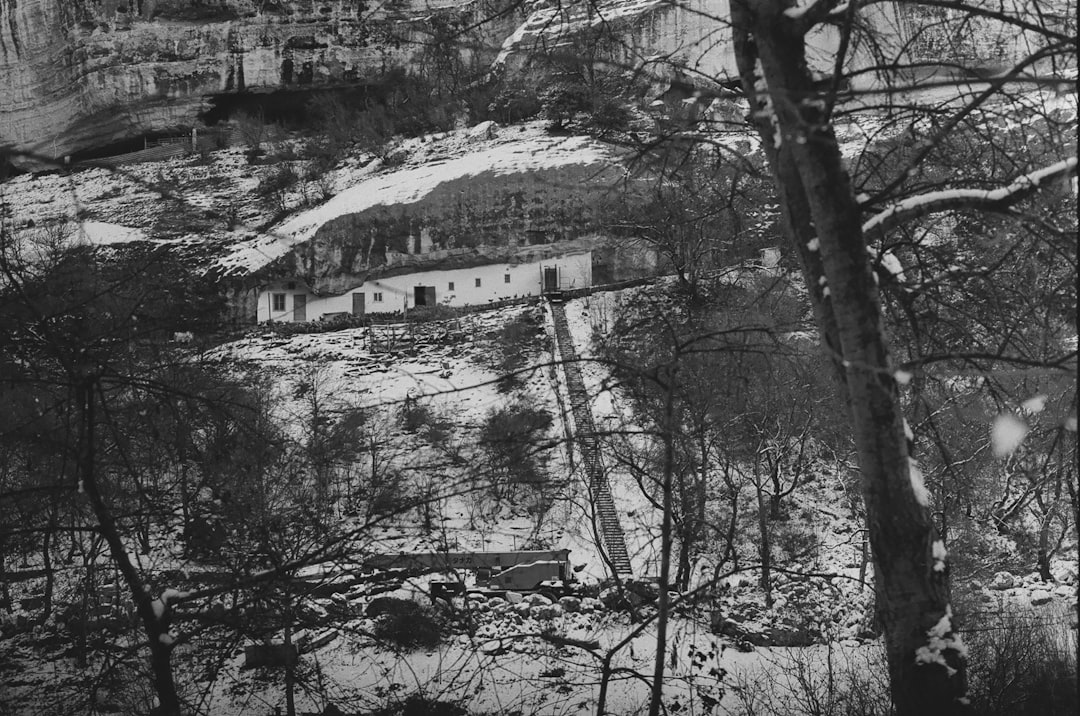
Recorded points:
(292, 109)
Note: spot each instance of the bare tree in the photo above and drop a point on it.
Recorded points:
(823, 220)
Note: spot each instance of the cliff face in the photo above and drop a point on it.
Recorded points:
(480, 219)
(76, 74)
(81, 73)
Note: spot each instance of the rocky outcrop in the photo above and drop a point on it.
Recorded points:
(76, 74)
(82, 73)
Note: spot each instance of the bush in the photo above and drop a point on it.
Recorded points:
(511, 438)
(420, 418)
(420, 705)
(817, 681)
(404, 623)
(387, 493)
(516, 339)
(1022, 665)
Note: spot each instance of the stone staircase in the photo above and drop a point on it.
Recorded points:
(587, 446)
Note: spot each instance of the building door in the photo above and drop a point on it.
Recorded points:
(424, 296)
(358, 304)
(299, 307)
(551, 279)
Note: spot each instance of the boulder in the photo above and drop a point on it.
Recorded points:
(1065, 575)
(591, 604)
(484, 130)
(570, 604)
(545, 612)
(1002, 581)
(538, 600)
(1040, 596)
(514, 597)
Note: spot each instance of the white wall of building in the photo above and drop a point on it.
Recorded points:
(453, 287)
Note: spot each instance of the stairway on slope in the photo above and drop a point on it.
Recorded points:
(585, 442)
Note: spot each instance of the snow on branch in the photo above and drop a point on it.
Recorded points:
(936, 201)
(807, 13)
(801, 9)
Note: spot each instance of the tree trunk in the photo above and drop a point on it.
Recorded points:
(763, 547)
(46, 564)
(665, 555)
(926, 668)
(1043, 555)
(154, 627)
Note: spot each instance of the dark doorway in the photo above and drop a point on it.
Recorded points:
(358, 304)
(551, 280)
(299, 310)
(424, 296)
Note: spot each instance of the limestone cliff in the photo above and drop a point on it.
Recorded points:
(82, 73)
(76, 74)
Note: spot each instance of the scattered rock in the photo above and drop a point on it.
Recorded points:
(545, 612)
(1064, 591)
(1003, 581)
(514, 597)
(484, 130)
(591, 604)
(1065, 575)
(538, 600)
(570, 604)
(1040, 596)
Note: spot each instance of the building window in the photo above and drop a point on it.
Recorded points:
(450, 286)
(279, 301)
(478, 283)
(506, 278)
(377, 297)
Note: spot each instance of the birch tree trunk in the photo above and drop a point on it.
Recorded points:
(821, 219)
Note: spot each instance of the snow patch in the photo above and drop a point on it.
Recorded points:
(938, 641)
(814, 244)
(1006, 434)
(939, 553)
(800, 9)
(1034, 405)
(892, 264)
(902, 377)
(907, 429)
(101, 233)
(922, 495)
(173, 595)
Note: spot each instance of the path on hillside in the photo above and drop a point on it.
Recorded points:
(585, 442)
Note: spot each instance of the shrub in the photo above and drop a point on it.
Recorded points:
(511, 437)
(796, 542)
(816, 682)
(1022, 665)
(387, 493)
(404, 623)
(420, 418)
(420, 705)
(516, 339)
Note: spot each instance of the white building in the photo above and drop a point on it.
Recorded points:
(294, 301)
